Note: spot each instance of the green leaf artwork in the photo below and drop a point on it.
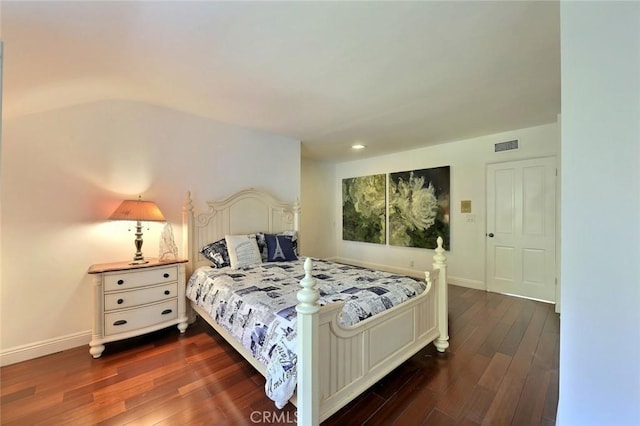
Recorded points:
(364, 209)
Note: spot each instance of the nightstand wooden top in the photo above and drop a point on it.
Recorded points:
(126, 266)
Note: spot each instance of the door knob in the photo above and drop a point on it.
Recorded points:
(490, 235)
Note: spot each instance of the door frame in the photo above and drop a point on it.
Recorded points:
(557, 229)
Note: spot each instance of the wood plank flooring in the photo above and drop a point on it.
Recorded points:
(501, 369)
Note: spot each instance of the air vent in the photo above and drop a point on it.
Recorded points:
(506, 146)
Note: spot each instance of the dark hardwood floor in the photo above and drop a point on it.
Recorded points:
(501, 369)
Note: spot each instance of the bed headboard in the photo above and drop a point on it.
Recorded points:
(245, 212)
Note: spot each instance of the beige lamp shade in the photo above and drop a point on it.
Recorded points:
(146, 211)
(139, 211)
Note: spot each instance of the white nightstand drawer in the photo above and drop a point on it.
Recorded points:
(128, 299)
(139, 278)
(132, 319)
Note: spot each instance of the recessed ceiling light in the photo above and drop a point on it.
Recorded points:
(358, 146)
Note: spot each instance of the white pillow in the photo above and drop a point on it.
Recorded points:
(243, 250)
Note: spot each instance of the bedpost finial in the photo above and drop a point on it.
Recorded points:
(307, 266)
(188, 203)
(439, 259)
(308, 295)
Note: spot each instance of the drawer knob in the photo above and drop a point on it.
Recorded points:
(120, 282)
(120, 301)
(166, 311)
(167, 292)
(166, 275)
(120, 322)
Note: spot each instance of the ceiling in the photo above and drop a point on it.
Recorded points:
(391, 75)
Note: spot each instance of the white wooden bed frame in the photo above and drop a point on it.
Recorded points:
(335, 363)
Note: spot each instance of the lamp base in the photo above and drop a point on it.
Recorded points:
(138, 258)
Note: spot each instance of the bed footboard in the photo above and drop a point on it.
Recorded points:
(337, 363)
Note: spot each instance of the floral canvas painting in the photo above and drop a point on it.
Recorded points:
(364, 209)
(419, 207)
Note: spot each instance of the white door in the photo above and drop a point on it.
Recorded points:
(521, 228)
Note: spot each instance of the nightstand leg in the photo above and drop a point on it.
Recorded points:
(96, 350)
(182, 326)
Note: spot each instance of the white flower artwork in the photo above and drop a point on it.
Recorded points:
(419, 207)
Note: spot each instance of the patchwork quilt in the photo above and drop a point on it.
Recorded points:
(257, 306)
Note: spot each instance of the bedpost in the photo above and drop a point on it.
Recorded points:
(187, 229)
(187, 240)
(296, 223)
(296, 215)
(307, 368)
(439, 262)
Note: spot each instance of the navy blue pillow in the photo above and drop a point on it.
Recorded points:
(217, 253)
(280, 248)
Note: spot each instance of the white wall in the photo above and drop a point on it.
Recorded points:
(317, 222)
(600, 326)
(65, 171)
(468, 160)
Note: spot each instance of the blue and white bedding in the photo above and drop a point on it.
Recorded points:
(257, 306)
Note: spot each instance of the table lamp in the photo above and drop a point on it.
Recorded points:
(139, 211)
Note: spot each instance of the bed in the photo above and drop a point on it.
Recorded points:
(335, 362)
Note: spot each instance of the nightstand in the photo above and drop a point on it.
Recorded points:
(130, 300)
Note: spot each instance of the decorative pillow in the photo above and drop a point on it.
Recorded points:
(217, 253)
(243, 250)
(294, 239)
(280, 248)
(262, 243)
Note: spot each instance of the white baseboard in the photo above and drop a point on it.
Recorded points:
(44, 347)
(461, 282)
(465, 282)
